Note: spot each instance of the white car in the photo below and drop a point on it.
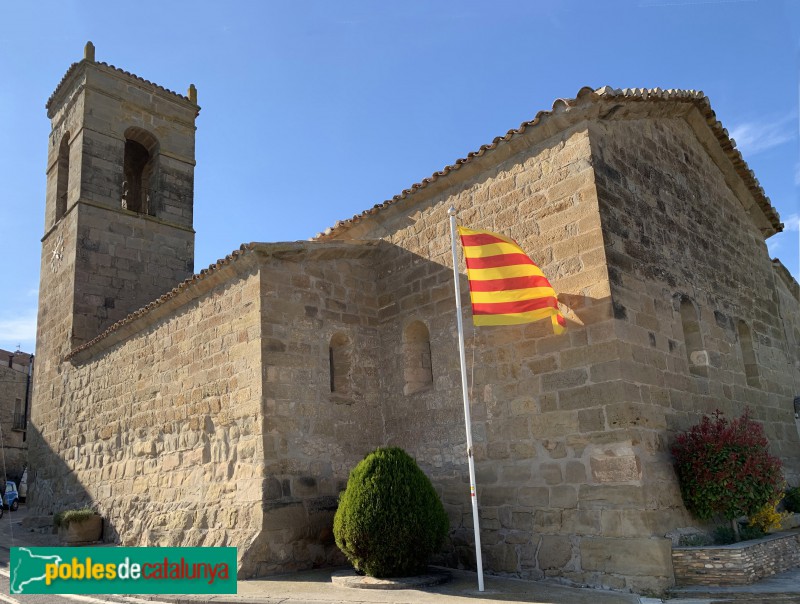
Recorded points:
(23, 486)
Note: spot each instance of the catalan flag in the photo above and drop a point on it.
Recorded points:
(506, 287)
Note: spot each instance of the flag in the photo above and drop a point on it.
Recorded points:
(506, 287)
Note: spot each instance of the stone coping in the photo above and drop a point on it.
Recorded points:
(740, 544)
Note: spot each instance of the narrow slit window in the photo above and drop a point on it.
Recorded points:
(748, 354)
(417, 367)
(692, 337)
(340, 359)
(62, 177)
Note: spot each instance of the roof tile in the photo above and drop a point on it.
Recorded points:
(695, 97)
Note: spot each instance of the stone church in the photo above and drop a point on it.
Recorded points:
(226, 407)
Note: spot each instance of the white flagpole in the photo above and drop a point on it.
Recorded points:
(473, 494)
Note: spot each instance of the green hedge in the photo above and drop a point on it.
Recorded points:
(390, 519)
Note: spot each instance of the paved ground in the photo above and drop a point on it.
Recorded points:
(315, 587)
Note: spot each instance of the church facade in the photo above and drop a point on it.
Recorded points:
(227, 407)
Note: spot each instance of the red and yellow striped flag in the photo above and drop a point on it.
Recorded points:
(506, 287)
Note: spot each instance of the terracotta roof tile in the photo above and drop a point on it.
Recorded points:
(587, 94)
(212, 274)
(196, 278)
(74, 67)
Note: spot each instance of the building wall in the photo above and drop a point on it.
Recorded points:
(209, 419)
(572, 432)
(122, 259)
(13, 391)
(124, 262)
(313, 437)
(559, 479)
(162, 431)
(675, 228)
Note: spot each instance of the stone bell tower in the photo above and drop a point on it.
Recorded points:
(118, 214)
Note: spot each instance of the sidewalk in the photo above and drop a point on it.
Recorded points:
(315, 586)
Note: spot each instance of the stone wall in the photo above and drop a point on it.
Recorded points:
(701, 315)
(124, 259)
(208, 418)
(13, 390)
(559, 472)
(312, 295)
(160, 424)
(737, 564)
(625, 215)
(124, 262)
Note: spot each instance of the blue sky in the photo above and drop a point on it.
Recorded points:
(315, 111)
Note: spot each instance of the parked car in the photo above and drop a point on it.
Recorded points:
(11, 496)
(23, 486)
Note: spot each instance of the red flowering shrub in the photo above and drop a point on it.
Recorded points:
(724, 467)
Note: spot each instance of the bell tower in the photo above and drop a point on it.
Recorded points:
(118, 212)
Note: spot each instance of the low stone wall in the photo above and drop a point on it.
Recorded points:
(737, 564)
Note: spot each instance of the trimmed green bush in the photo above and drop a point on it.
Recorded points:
(390, 519)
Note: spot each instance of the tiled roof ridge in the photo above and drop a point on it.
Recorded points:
(587, 94)
(72, 68)
(244, 249)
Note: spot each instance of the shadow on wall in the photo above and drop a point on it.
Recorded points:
(45, 500)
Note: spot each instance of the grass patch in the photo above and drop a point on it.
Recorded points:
(67, 517)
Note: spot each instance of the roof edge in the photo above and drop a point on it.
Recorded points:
(74, 70)
(787, 277)
(211, 277)
(584, 96)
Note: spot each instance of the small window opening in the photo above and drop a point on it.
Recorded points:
(693, 339)
(417, 367)
(748, 354)
(339, 353)
(62, 177)
(140, 171)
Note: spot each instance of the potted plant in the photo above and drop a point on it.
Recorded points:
(79, 527)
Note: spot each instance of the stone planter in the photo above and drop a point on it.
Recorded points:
(82, 532)
(737, 564)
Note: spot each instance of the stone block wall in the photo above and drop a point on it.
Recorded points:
(209, 418)
(559, 469)
(119, 103)
(313, 295)
(680, 240)
(124, 259)
(160, 424)
(13, 391)
(737, 564)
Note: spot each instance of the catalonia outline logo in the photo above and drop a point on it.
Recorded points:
(123, 570)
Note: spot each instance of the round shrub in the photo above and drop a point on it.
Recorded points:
(724, 468)
(390, 519)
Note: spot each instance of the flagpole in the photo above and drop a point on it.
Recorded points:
(473, 494)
